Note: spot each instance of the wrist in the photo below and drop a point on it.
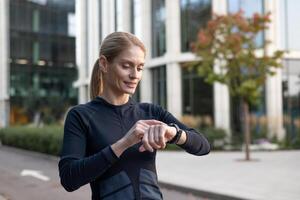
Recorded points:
(119, 147)
(182, 139)
(177, 135)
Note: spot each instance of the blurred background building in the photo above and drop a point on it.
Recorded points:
(42, 64)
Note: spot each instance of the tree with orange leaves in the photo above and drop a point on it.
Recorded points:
(227, 51)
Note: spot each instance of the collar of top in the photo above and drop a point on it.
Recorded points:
(102, 100)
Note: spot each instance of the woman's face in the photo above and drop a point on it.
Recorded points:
(125, 71)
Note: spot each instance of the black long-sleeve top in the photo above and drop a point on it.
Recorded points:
(87, 156)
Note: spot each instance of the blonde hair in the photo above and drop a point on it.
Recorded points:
(112, 46)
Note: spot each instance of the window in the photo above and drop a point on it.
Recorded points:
(291, 97)
(249, 7)
(290, 31)
(158, 22)
(194, 15)
(197, 95)
(136, 17)
(118, 15)
(258, 124)
(137, 95)
(159, 86)
(21, 15)
(39, 37)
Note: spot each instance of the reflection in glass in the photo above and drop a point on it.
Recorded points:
(42, 53)
(197, 95)
(291, 97)
(290, 28)
(159, 86)
(249, 7)
(194, 15)
(158, 22)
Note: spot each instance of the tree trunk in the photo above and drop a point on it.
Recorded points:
(247, 136)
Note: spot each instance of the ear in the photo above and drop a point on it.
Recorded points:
(103, 63)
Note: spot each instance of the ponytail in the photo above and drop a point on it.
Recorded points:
(96, 84)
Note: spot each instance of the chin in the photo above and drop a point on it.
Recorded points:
(129, 91)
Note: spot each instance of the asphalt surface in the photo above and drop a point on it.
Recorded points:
(16, 185)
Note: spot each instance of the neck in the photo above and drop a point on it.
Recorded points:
(114, 98)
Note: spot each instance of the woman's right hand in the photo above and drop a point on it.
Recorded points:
(133, 136)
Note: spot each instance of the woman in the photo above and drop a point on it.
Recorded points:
(111, 141)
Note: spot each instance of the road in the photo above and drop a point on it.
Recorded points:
(24, 174)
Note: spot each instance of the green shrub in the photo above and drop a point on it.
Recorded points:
(47, 139)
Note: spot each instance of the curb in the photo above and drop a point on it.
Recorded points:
(199, 193)
(30, 153)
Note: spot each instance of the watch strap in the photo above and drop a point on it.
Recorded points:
(176, 138)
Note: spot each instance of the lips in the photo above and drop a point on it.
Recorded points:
(130, 84)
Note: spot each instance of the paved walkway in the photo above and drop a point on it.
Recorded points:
(272, 175)
(224, 175)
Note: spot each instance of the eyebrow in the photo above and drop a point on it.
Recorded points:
(128, 61)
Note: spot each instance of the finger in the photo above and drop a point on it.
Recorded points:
(142, 148)
(159, 134)
(161, 137)
(146, 143)
(143, 124)
(156, 136)
(152, 133)
(152, 122)
(140, 132)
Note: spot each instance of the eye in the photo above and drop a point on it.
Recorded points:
(125, 66)
(140, 69)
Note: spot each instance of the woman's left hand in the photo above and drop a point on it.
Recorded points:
(156, 137)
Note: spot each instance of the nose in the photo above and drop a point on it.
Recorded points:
(133, 74)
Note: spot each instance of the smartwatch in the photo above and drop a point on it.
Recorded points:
(176, 138)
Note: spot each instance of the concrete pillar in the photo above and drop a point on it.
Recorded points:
(108, 17)
(82, 50)
(221, 93)
(123, 18)
(4, 63)
(174, 91)
(93, 33)
(143, 31)
(274, 84)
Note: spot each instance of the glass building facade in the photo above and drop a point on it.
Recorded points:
(258, 112)
(197, 95)
(290, 31)
(194, 16)
(42, 59)
(159, 86)
(183, 92)
(291, 97)
(249, 7)
(289, 13)
(158, 24)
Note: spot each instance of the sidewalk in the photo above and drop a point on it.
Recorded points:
(2, 197)
(223, 175)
